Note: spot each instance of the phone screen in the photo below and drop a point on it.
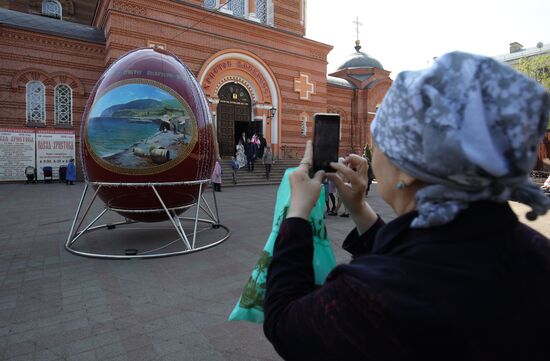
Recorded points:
(326, 140)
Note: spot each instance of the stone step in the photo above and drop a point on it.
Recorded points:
(257, 177)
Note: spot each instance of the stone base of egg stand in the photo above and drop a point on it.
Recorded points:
(187, 238)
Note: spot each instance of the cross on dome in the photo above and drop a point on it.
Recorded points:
(357, 25)
(357, 41)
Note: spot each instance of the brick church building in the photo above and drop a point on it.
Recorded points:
(258, 70)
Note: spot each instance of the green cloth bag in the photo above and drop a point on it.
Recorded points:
(250, 306)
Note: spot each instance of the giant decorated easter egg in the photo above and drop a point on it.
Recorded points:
(147, 121)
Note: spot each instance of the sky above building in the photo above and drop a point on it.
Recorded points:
(408, 34)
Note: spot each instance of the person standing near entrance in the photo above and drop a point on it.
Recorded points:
(263, 145)
(243, 138)
(240, 154)
(251, 150)
(234, 168)
(256, 141)
(71, 173)
(217, 176)
(329, 191)
(268, 161)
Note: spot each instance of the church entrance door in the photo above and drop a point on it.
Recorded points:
(234, 113)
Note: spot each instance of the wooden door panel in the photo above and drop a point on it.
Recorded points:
(234, 106)
(226, 129)
(242, 113)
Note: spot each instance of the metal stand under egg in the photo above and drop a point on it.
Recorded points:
(187, 239)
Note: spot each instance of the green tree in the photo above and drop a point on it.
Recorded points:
(537, 68)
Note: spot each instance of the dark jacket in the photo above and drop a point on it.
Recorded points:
(477, 288)
(261, 148)
(251, 150)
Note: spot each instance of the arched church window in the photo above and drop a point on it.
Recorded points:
(303, 124)
(52, 8)
(63, 105)
(36, 102)
(261, 10)
(237, 6)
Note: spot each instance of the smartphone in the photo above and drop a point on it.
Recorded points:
(326, 141)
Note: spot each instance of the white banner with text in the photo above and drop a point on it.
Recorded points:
(17, 151)
(54, 148)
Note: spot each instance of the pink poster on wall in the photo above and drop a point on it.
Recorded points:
(54, 148)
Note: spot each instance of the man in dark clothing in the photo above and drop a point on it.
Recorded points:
(251, 151)
(263, 144)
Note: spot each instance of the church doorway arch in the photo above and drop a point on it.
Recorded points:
(234, 114)
(246, 69)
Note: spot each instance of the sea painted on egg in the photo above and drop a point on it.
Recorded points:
(136, 125)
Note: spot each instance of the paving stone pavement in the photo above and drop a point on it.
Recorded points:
(58, 306)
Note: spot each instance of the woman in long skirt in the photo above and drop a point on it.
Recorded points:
(241, 157)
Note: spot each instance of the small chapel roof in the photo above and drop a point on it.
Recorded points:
(358, 59)
(47, 25)
(332, 80)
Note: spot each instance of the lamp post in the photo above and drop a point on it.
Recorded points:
(270, 115)
(272, 112)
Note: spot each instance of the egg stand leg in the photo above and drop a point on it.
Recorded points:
(175, 220)
(197, 215)
(179, 225)
(208, 210)
(70, 239)
(68, 243)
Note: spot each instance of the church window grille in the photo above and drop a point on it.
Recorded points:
(36, 102)
(341, 129)
(63, 105)
(52, 8)
(210, 4)
(261, 10)
(303, 125)
(303, 12)
(237, 6)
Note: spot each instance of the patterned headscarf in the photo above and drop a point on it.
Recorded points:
(469, 127)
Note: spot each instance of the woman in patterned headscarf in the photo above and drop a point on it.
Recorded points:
(455, 276)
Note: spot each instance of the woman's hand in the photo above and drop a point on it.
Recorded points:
(355, 169)
(304, 190)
